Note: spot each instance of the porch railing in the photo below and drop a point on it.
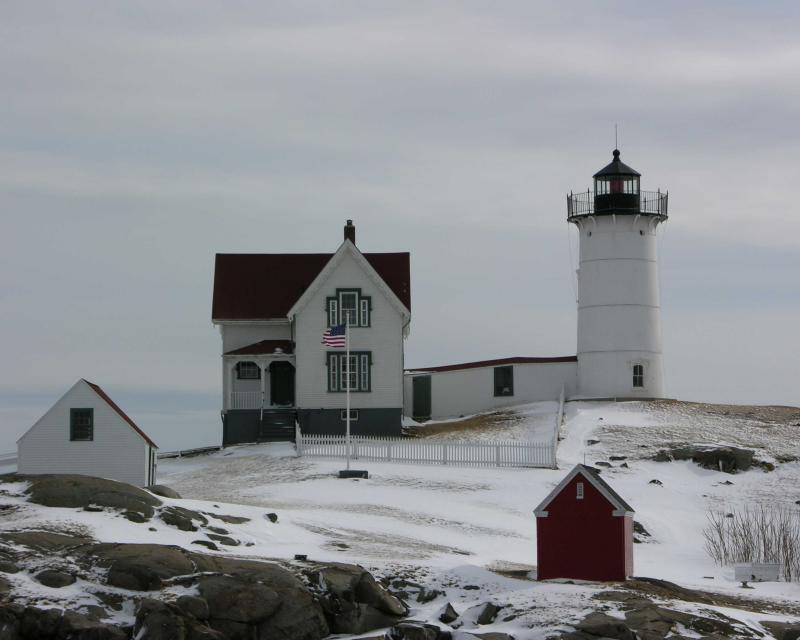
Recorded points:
(245, 400)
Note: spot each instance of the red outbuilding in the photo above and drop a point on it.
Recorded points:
(584, 530)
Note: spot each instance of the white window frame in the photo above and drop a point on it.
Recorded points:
(579, 491)
(364, 315)
(239, 375)
(353, 415)
(353, 372)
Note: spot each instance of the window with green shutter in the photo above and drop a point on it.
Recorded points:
(360, 371)
(348, 305)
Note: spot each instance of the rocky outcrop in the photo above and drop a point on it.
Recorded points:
(352, 599)
(720, 458)
(76, 491)
(164, 491)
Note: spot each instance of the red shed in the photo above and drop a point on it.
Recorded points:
(584, 530)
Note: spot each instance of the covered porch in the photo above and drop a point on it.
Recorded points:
(260, 376)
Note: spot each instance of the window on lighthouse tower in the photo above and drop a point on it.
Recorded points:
(638, 375)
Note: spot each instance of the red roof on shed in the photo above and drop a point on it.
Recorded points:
(253, 286)
(96, 388)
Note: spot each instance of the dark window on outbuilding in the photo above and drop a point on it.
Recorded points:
(638, 375)
(81, 424)
(353, 415)
(248, 371)
(504, 381)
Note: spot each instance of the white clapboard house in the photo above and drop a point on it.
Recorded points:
(272, 310)
(85, 432)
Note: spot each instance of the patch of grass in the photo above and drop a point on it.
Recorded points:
(495, 421)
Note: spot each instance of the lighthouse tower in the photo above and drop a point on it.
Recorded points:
(619, 315)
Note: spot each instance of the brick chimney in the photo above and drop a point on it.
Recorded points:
(350, 231)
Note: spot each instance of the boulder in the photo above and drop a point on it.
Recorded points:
(448, 614)
(164, 491)
(413, 630)
(228, 519)
(193, 606)
(142, 567)
(352, 600)
(603, 626)
(7, 566)
(207, 544)
(494, 635)
(54, 578)
(181, 518)
(272, 517)
(39, 623)
(10, 622)
(720, 458)
(45, 540)
(226, 540)
(76, 491)
(783, 630)
(156, 620)
(231, 598)
(75, 626)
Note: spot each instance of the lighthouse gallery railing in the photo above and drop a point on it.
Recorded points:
(651, 203)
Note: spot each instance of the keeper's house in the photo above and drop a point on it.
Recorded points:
(85, 432)
(272, 310)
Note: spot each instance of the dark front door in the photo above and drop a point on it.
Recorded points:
(281, 384)
(421, 390)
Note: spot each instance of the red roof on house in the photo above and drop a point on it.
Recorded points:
(121, 413)
(495, 363)
(263, 347)
(254, 286)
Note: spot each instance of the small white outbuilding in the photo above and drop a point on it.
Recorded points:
(85, 432)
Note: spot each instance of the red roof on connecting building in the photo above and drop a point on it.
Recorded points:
(255, 286)
(496, 363)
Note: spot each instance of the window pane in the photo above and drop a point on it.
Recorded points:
(333, 360)
(349, 313)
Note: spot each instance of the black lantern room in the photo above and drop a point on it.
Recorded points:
(616, 191)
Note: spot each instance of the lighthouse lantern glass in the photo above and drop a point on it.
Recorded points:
(616, 184)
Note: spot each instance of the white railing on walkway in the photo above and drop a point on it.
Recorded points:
(245, 400)
(423, 451)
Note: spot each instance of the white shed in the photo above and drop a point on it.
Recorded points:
(85, 432)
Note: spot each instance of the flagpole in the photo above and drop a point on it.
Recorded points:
(347, 377)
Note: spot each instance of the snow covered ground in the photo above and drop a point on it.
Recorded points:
(456, 525)
(461, 530)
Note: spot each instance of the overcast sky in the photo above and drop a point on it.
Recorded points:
(139, 139)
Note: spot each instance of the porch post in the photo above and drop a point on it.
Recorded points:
(231, 369)
(263, 388)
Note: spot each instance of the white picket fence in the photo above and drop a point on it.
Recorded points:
(424, 451)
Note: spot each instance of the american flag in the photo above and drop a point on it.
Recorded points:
(335, 336)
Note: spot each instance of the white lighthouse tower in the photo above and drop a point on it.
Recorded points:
(619, 314)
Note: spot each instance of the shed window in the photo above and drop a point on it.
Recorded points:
(638, 375)
(248, 371)
(579, 491)
(353, 415)
(81, 424)
(504, 381)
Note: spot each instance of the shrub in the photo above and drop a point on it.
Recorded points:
(755, 534)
